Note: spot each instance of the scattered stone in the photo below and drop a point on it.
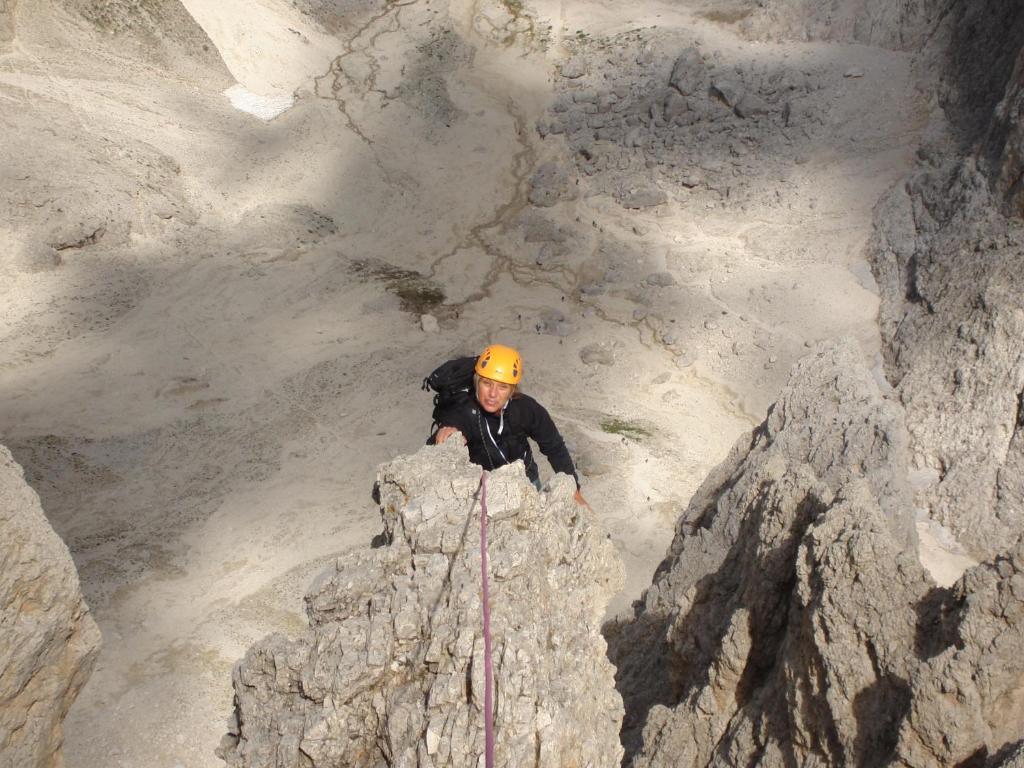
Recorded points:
(727, 91)
(854, 72)
(644, 195)
(574, 68)
(554, 323)
(429, 324)
(551, 184)
(692, 178)
(752, 105)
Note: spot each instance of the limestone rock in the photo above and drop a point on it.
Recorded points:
(781, 623)
(947, 264)
(48, 639)
(969, 698)
(391, 670)
(896, 24)
(550, 184)
(688, 72)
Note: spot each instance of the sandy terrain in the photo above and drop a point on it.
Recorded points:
(211, 326)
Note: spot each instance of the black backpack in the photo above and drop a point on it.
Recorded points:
(453, 383)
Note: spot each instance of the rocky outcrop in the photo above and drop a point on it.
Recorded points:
(967, 700)
(946, 256)
(391, 671)
(48, 639)
(792, 623)
(784, 616)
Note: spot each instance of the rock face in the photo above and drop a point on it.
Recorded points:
(783, 618)
(946, 257)
(48, 640)
(792, 623)
(391, 670)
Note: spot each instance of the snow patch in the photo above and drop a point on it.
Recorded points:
(264, 107)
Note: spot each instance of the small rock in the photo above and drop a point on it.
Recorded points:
(643, 196)
(673, 106)
(550, 184)
(596, 354)
(752, 105)
(854, 72)
(429, 324)
(574, 68)
(661, 279)
(692, 178)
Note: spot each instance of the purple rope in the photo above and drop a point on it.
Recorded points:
(488, 673)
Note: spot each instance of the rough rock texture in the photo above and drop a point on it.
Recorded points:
(968, 700)
(792, 623)
(779, 630)
(899, 24)
(946, 256)
(391, 670)
(48, 640)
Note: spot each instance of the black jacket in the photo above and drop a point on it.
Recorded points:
(498, 439)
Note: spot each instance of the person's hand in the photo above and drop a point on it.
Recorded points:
(580, 500)
(445, 432)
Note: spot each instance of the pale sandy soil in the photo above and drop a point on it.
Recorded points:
(202, 391)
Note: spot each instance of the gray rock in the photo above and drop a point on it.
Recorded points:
(49, 641)
(673, 106)
(641, 195)
(550, 184)
(554, 323)
(974, 666)
(729, 92)
(574, 68)
(752, 105)
(688, 72)
(947, 265)
(391, 670)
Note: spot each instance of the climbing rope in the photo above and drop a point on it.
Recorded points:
(488, 672)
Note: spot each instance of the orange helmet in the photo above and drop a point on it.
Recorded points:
(500, 363)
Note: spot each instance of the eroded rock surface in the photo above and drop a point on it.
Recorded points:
(946, 256)
(792, 623)
(782, 619)
(391, 670)
(48, 639)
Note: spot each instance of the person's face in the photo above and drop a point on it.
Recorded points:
(492, 395)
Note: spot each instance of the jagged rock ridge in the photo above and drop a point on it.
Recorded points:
(48, 639)
(792, 623)
(391, 670)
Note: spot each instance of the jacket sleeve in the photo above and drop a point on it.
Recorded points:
(462, 416)
(541, 428)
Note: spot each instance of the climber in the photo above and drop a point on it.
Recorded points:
(496, 419)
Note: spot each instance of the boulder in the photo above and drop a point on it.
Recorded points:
(391, 670)
(48, 639)
(688, 72)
